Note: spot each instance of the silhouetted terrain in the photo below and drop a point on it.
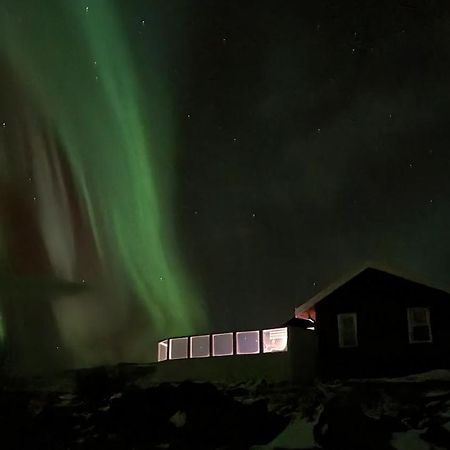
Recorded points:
(120, 408)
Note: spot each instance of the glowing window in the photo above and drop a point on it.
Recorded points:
(222, 344)
(247, 342)
(275, 340)
(162, 350)
(347, 328)
(200, 346)
(419, 326)
(178, 348)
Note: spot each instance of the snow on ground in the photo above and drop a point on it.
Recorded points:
(410, 440)
(109, 409)
(432, 375)
(178, 419)
(298, 434)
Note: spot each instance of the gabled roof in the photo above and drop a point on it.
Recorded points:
(347, 278)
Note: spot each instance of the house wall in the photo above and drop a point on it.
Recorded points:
(380, 301)
(296, 365)
(302, 352)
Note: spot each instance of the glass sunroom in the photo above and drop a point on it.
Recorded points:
(224, 344)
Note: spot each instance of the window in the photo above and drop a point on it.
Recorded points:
(222, 344)
(275, 340)
(347, 328)
(419, 327)
(247, 342)
(162, 350)
(200, 346)
(178, 348)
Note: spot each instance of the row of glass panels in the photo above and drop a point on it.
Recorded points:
(223, 344)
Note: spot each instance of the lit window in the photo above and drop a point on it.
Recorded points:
(247, 342)
(419, 327)
(347, 328)
(200, 346)
(162, 350)
(178, 348)
(275, 340)
(222, 344)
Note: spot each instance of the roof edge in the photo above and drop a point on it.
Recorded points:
(367, 265)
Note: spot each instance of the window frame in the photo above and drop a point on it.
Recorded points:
(238, 343)
(411, 325)
(163, 343)
(191, 346)
(213, 352)
(263, 343)
(171, 342)
(340, 318)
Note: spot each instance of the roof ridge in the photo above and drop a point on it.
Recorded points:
(365, 266)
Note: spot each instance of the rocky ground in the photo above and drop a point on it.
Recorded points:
(120, 408)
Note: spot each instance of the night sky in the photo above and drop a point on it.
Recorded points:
(306, 139)
(315, 138)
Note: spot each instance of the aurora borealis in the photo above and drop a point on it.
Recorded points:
(101, 152)
(210, 166)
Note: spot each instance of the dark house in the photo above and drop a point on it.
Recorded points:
(379, 324)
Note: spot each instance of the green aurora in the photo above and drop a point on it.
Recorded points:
(75, 62)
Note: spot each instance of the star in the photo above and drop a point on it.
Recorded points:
(4, 124)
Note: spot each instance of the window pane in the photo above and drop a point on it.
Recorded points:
(421, 334)
(275, 340)
(419, 325)
(200, 346)
(347, 322)
(418, 316)
(347, 330)
(162, 350)
(222, 344)
(247, 342)
(178, 348)
(348, 337)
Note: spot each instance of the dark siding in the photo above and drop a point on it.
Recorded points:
(380, 301)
